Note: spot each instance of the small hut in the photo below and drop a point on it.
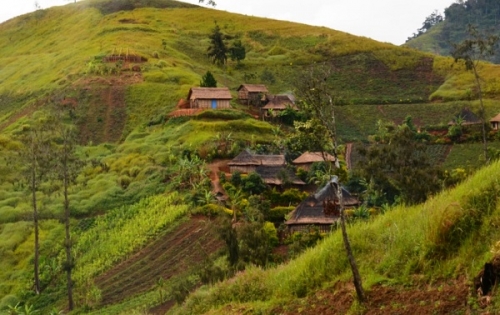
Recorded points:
(209, 98)
(246, 162)
(252, 93)
(277, 104)
(495, 122)
(466, 117)
(321, 209)
(307, 159)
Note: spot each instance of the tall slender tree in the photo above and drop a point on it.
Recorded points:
(477, 46)
(67, 166)
(318, 98)
(35, 159)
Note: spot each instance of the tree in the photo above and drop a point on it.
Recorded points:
(67, 166)
(209, 2)
(429, 22)
(317, 98)
(35, 158)
(471, 50)
(237, 51)
(208, 80)
(217, 51)
(397, 165)
(310, 136)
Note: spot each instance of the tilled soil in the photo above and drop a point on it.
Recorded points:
(178, 251)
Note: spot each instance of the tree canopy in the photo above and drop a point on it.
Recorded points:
(217, 50)
(208, 80)
(396, 166)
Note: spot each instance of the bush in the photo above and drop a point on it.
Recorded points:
(253, 184)
(222, 114)
(300, 241)
(236, 179)
(278, 214)
(287, 198)
(272, 233)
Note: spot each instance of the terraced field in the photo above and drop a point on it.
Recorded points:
(175, 253)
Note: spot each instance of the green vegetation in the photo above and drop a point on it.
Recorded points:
(121, 67)
(438, 35)
(420, 234)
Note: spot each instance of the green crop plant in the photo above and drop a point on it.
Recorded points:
(121, 231)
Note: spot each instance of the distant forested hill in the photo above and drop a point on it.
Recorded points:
(437, 35)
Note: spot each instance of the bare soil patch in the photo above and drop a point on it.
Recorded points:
(445, 297)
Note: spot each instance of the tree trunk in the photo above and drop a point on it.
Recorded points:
(67, 243)
(352, 262)
(35, 223)
(483, 120)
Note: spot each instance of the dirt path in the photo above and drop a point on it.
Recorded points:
(175, 253)
(348, 151)
(215, 167)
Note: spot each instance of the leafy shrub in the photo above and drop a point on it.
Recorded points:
(253, 184)
(236, 179)
(272, 233)
(124, 181)
(278, 214)
(288, 197)
(224, 114)
(299, 241)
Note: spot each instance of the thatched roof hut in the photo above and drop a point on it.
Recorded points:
(467, 117)
(253, 88)
(308, 158)
(311, 211)
(246, 162)
(495, 122)
(206, 97)
(280, 102)
(252, 93)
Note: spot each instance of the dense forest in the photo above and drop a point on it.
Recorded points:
(438, 33)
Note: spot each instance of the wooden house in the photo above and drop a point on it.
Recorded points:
(246, 162)
(307, 159)
(321, 209)
(278, 103)
(495, 122)
(209, 98)
(252, 93)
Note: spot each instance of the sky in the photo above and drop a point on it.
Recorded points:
(391, 21)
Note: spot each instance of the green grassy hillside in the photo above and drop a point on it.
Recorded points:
(447, 238)
(143, 170)
(58, 52)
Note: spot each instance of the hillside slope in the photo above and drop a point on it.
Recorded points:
(121, 67)
(438, 246)
(156, 52)
(439, 38)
